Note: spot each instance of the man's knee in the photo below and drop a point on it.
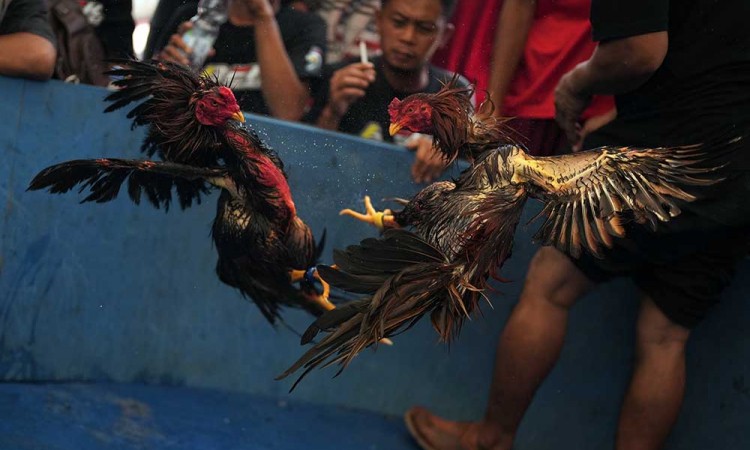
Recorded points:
(657, 332)
(553, 278)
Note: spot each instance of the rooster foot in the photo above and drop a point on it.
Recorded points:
(320, 301)
(378, 219)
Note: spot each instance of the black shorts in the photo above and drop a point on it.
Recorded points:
(685, 265)
(683, 273)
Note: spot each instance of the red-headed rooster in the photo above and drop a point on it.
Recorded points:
(450, 118)
(462, 231)
(264, 248)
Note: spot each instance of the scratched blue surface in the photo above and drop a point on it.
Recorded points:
(128, 417)
(126, 293)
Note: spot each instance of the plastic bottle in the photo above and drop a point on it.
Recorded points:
(201, 37)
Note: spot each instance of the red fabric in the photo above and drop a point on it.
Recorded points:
(559, 39)
(469, 51)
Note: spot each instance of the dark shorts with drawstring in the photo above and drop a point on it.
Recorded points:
(688, 262)
(683, 273)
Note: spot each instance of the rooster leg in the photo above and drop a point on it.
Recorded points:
(320, 301)
(378, 219)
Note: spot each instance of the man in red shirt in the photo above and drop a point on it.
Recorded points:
(535, 44)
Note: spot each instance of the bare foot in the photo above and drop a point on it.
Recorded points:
(434, 433)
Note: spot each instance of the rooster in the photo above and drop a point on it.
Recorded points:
(264, 249)
(436, 254)
(478, 130)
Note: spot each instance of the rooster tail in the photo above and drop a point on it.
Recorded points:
(320, 246)
(344, 322)
(406, 278)
(232, 273)
(334, 318)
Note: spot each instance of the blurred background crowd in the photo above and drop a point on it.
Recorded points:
(337, 64)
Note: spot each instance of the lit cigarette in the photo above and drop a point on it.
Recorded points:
(363, 52)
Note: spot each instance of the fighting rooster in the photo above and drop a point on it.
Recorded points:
(265, 250)
(461, 231)
(450, 118)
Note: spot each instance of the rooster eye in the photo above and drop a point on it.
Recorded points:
(214, 103)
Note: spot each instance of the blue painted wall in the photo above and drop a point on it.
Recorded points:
(128, 293)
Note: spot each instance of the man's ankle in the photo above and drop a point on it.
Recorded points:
(492, 437)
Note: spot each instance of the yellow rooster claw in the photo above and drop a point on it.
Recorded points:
(378, 219)
(321, 300)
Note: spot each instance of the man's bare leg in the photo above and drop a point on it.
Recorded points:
(652, 402)
(528, 349)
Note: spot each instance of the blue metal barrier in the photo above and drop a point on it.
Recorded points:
(125, 293)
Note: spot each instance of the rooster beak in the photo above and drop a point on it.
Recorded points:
(238, 116)
(395, 128)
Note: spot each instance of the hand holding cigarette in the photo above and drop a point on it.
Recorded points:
(350, 83)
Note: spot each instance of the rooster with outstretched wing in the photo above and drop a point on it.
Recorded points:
(436, 254)
(265, 250)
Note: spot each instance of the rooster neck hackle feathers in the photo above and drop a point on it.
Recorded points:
(168, 94)
(259, 168)
(450, 102)
(457, 128)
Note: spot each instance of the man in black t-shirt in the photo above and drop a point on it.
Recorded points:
(681, 75)
(368, 116)
(270, 53)
(356, 95)
(27, 46)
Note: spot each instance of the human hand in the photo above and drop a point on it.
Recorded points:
(429, 163)
(570, 102)
(348, 85)
(592, 124)
(177, 50)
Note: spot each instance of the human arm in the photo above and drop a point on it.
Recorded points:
(616, 66)
(177, 50)
(26, 55)
(26, 41)
(168, 45)
(514, 23)
(285, 94)
(167, 20)
(346, 86)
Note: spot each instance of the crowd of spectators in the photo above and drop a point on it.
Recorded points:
(303, 60)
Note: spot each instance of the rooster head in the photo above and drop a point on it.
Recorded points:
(412, 114)
(216, 106)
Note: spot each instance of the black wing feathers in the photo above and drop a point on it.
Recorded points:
(103, 178)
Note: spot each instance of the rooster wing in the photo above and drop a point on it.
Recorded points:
(589, 196)
(104, 177)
